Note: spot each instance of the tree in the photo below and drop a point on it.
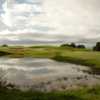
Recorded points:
(73, 45)
(69, 45)
(4, 45)
(97, 47)
(80, 46)
(65, 45)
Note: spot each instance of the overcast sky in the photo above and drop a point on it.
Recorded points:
(49, 21)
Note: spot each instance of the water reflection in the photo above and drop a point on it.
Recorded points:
(27, 71)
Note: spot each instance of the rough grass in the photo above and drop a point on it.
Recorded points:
(68, 54)
(78, 56)
(80, 94)
(88, 58)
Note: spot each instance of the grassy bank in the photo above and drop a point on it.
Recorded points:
(88, 58)
(80, 94)
(67, 54)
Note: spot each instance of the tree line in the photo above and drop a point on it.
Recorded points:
(73, 45)
(95, 48)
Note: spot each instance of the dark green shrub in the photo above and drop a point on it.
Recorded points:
(4, 45)
(97, 47)
(80, 46)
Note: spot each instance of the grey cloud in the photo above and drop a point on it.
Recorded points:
(36, 2)
(2, 26)
(27, 42)
(81, 18)
(1, 9)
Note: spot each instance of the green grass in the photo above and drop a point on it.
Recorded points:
(73, 55)
(80, 94)
(88, 58)
(67, 54)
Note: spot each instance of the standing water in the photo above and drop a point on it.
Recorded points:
(28, 72)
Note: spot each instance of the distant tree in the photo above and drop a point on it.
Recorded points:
(94, 48)
(65, 45)
(69, 45)
(4, 45)
(80, 46)
(97, 47)
(73, 45)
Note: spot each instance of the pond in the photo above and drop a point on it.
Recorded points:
(26, 72)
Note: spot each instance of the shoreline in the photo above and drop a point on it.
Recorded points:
(94, 70)
(62, 80)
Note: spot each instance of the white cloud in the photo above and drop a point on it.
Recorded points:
(68, 18)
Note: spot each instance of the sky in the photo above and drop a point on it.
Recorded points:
(49, 21)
